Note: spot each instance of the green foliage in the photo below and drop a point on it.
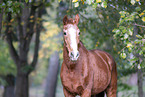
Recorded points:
(7, 66)
(11, 6)
(132, 42)
(94, 3)
(123, 87)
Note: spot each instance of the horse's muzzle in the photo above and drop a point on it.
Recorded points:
(74, 56)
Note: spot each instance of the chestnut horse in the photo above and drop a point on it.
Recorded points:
(88, 73)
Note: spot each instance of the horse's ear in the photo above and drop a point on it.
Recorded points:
(65, 20)
(77, 18)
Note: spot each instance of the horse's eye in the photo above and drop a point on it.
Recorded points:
(64, 33)
(79, 33)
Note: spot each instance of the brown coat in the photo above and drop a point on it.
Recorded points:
(93, 72)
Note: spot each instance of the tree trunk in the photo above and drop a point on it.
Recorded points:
(24, 35)
(139, 71)
(9, 88)
(22, 85)
(140, 83)
(51, 82)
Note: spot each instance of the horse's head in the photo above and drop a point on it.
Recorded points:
(71, 36)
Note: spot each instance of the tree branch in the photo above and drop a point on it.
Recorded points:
(30, 26)
(102, 22)
(139, 25)
(37, 40)
(8, 33)
(20, 29)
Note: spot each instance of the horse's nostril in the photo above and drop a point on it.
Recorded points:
(77, 54)
(71, 54)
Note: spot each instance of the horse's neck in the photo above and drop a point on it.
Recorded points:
(83, 53)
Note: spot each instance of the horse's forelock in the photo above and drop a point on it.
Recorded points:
(71, 21)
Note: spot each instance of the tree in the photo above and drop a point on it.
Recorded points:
(9, 87)
(22, 23)
(7, 70)
(104, 19)
(52, 75)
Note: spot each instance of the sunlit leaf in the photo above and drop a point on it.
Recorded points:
(12, 20)
(31, 21)
(74, 0)
(139, 67)
(129, 45)
(130, 32)
(141, 14)
(143, 19)
(143, 48)
(98, 1)
(132, 2)
(104, 4)
(125, 36)
(137, 41)
(138, 36)
(140, 52)
(76, 4)
(97, 43)
(31, 16)
(123, 55)
(130, 49)
(22, 23)
(83, 1)
(26, 1)
(137, 8)
(95, 5)
(89, 1)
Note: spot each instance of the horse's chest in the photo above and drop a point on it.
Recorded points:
(73, 82)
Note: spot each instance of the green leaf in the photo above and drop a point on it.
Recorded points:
(134, 59)
(98, 1)
(137, 41)
(104, 4)
(89, 1)
(95, 5)
(26, 1)
(143, 19)
(132, 2)
(137, 8)
(74, 0)
(123, 55)
(143, 48)
(130, 49)
(130, 32)
(125, 36)
(138, 36)
(117, 31)
(76, 4)
(140, 52)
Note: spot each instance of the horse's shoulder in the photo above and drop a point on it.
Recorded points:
(101, 53)
(104, 56)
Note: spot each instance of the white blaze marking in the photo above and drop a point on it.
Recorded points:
(73, 40)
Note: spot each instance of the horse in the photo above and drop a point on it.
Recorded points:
(88, 73)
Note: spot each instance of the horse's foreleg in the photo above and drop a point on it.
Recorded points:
(112, 88)
(67, 94)
(86, 93)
